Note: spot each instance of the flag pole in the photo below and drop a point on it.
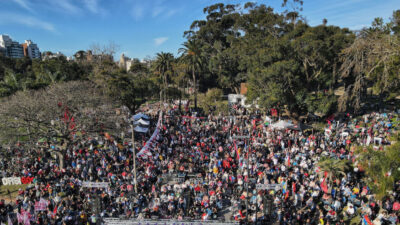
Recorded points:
(134, 158)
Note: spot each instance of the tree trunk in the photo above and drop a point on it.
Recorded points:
(195, 88)
(293, 115)
(60, 157)
(165, 88)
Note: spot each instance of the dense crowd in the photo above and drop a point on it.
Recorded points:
(217, 174)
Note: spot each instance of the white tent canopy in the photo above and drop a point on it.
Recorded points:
(141, 116)
(141, 122)
(281, 124)
(140, 129)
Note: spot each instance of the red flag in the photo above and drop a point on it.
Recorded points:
(287, 195)
(241, 214)
(237, 151)
(274, 112)
(54, 212)
(324, 186)
(294, 187)
(367, 220)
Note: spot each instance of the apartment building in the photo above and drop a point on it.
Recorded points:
(13, 49)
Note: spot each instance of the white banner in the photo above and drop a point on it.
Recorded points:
(11, 180)
(145, 151)
(268, 187)
(94, 184)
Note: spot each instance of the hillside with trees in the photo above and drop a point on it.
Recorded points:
(287, 64)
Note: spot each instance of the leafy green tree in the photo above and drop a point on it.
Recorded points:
(291, 65)
(382, 168)
(59, 114)
(216, 36)
(130, 90)
(80, 56)
(138, 67)
(371, 61)
(211, 100)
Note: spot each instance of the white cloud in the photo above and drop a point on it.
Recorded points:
(11, 18)
(171, 12)
(94, 7)
(159, 41)
(65, 5)
(24, 4)
(138, 11)
(157, 10)
(154, 9)
(358, 27)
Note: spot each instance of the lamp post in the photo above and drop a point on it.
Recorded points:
(134, 157)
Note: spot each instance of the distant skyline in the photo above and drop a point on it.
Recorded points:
(143, 28)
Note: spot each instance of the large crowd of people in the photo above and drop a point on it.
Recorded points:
(205, 168)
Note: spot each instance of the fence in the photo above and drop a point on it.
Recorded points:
(115, 221)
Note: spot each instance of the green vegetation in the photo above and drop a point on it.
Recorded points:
(335, 168)
(288, 64)
(12, 189)
(382, 168)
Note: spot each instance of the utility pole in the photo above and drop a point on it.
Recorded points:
(134, 158)
(247, 186)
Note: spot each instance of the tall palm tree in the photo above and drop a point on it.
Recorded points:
(191, 53)
(163, 65)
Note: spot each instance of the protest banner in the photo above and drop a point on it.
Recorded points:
(94, 184)
(11, 180)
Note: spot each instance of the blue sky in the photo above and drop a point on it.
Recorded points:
(142, 28)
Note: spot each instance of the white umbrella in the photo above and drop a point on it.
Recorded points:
(281, 125)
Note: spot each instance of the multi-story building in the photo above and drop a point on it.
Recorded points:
(5, 41)
(126, 62)
(13, 49)
(31, 49)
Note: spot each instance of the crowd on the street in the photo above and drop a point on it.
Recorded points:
(205, 168)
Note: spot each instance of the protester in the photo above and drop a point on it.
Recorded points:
(193, 168)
